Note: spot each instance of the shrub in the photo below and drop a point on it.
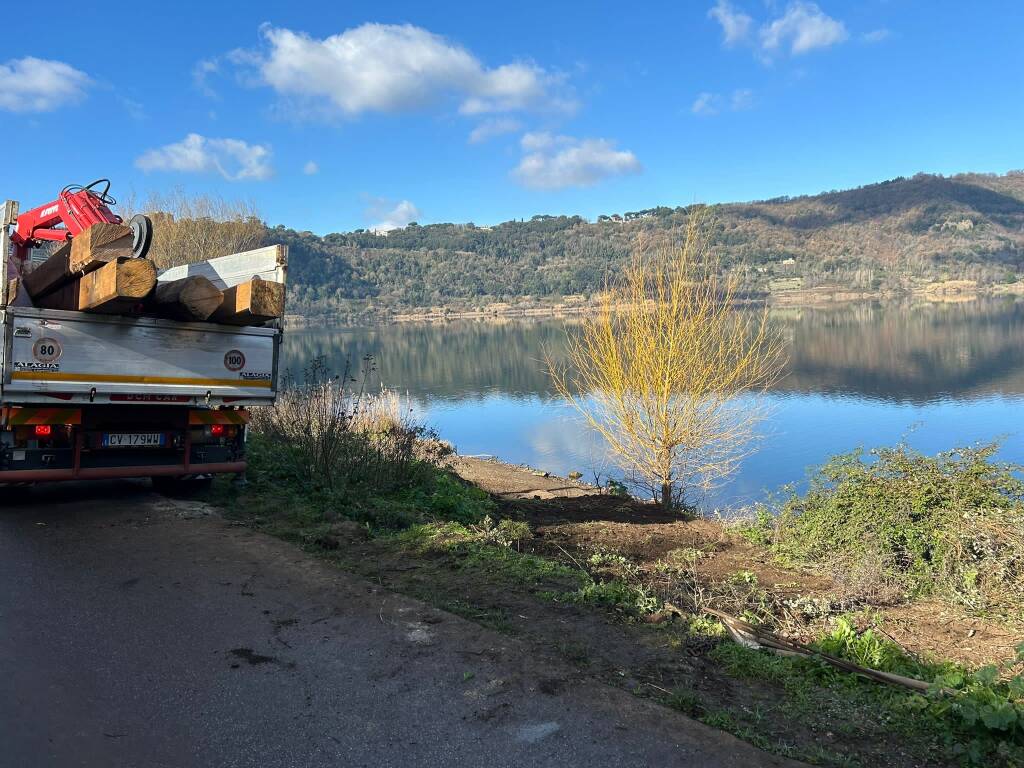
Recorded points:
(951, 524)
(341, 432)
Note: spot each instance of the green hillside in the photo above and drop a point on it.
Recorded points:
(889, 236)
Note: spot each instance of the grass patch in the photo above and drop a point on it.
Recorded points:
(977, 716)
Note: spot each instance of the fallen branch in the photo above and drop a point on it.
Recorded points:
(751, 636)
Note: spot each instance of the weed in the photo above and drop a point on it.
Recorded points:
(685, 701)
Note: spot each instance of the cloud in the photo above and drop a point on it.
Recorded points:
(40, 85)
(736, 25)
(233, 159)
(876, 35)
(497, 126)
(556, 162)
(708, 104)
(390, 215)
(311, 168)
(396, 68)
(742, 99)
(802, 28)
(200, 76)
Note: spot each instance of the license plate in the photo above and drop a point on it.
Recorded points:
(133, 440)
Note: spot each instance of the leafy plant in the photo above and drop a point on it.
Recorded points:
(951, 523)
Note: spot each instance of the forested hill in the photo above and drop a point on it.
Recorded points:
(887, 236)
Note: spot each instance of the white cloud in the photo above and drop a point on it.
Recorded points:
(555, 162)
(736, 25)
(200, 76)
(40, 85)
(233, 159)
(876, 35)
(802, 28)
(742, 98)
(706, 104)
(496, 126)
(390, 215)
(392, 68)
(311, 168)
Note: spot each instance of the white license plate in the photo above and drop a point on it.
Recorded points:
(133, 440)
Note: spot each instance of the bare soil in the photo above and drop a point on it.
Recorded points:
(573, 516)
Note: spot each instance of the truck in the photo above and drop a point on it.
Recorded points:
(88, 396)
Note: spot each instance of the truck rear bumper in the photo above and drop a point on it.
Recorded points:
(110, 473)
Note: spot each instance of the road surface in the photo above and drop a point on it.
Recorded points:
(137, 630)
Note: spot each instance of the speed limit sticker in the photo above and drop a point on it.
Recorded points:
(234, 360)
(46, 350)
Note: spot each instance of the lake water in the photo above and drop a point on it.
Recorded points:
(933, 375)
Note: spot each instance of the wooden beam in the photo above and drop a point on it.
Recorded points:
(52, 274)
(250, 303)
(99, 244)
(191, 298)
(9, 213)
(114, 288)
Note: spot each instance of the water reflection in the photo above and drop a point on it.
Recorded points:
(935, 374)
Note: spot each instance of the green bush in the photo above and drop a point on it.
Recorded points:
(950, 524)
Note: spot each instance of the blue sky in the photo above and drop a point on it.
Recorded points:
(333, 116)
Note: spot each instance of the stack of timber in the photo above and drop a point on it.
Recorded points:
(95, 272)
(115, 288)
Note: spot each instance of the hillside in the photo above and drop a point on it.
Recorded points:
(890, 236)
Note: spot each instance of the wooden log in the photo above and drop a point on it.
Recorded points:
(191, 298)
(114, 288)
(99, 244)
(251, 302)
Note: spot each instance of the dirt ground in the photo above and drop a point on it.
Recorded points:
(572, 516)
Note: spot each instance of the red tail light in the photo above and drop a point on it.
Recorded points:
(217, 430)
(43, 430)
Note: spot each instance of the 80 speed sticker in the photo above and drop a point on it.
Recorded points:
(46, 350)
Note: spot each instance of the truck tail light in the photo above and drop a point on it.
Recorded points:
(43, 430)
(217, 430)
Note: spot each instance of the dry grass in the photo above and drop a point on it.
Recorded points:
(341, 432)
(192, 228)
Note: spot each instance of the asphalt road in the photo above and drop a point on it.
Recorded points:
(141, 631)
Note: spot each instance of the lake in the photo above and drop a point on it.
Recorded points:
(933, 375)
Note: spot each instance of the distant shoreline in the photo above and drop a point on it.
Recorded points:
(949, 291)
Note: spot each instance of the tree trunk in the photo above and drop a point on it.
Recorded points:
(666, 497)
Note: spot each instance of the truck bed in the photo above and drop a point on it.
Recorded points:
(53, 355)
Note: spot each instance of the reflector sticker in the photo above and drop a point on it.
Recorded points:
(19, 416)
(218, 417)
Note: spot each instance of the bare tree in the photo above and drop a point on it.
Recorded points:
(670, 371)
(191, 228)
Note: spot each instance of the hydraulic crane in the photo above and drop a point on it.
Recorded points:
(76, 208)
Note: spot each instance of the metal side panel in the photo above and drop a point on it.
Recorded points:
(269, 263)
(51, 351)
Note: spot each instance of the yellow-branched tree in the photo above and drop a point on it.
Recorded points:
(191, 228)
(670, 372)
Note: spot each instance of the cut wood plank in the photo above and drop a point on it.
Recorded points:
(52, 274)
(191, 298)
(249, 303)
(114, 288)
(269, 263)
(99, 244)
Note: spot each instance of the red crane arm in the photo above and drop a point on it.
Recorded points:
(76, 208)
